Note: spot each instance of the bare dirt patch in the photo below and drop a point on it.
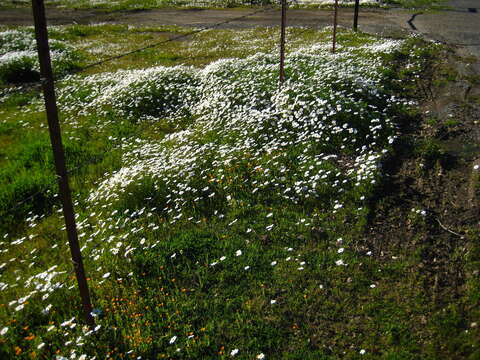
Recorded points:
(433, 171)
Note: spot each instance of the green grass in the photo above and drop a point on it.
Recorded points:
(282, 295)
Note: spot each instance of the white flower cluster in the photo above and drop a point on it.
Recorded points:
(142, 94)
(18, 53)
(14, 40)
(332, 109)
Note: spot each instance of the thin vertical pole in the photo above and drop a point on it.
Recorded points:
(58, 153)
(355, 15)
(282, 41)
(335, 14)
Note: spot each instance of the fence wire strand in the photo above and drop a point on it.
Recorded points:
(175, 38)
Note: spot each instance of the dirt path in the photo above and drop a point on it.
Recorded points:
(460, 26)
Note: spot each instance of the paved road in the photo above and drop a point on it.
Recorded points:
(460, 25)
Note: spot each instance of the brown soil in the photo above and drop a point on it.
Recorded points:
(445, 184)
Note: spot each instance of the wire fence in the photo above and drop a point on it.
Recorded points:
(72, 171)
(94, 245)
(84, 68)
(175, 38)
(37, 85)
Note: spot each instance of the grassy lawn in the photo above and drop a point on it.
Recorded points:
(220, 215)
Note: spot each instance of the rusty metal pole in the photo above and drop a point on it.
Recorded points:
(355, 15)
(282, 41)
(58, 153)
(335, 14)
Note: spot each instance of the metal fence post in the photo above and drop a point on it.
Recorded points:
(355, 15)
(282, 41)
(335, 14)
(41, 34)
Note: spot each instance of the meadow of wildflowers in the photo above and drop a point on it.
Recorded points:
(18, 57)
(223, 219)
